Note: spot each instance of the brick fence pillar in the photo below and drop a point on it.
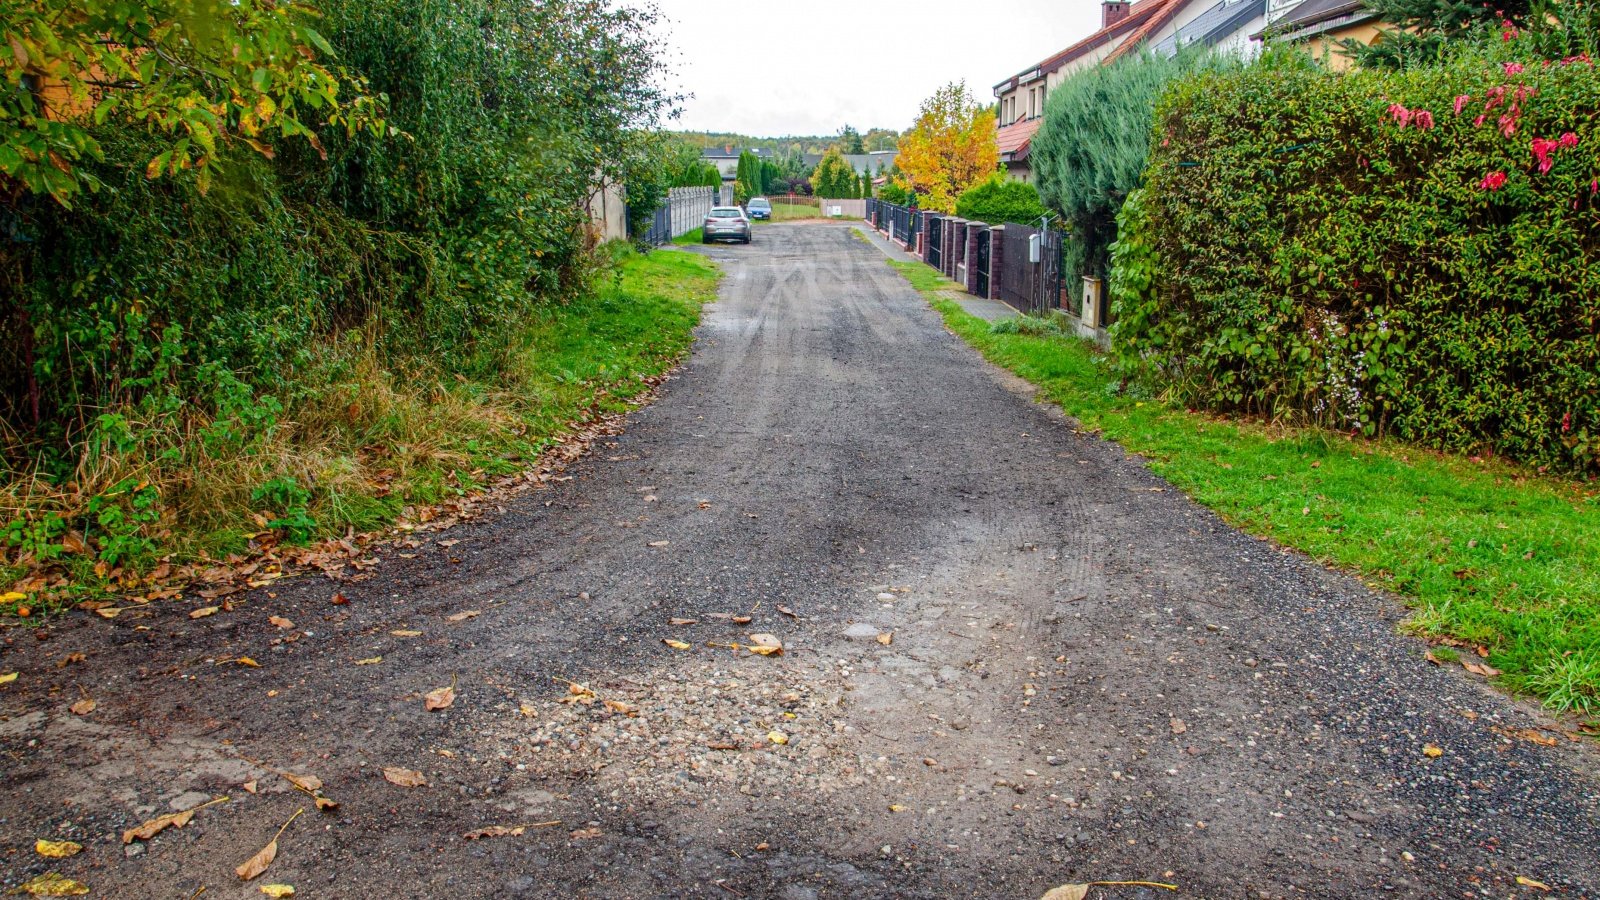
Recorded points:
(975, 233)
(997, 244)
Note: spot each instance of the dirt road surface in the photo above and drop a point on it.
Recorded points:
(1012, 658)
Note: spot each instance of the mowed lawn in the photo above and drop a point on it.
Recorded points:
(1499, 564)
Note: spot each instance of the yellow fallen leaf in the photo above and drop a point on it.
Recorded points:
(577, 693)
(8, 677)
(1431, 751)
(280, 621)
(677, 621)
(777, 737)
(617, 706)
(369, 661)
(249, 786)
(278, 890)
(441, 698)
(108, 612)
(247, 661)
(257, 864)
(204, 611)
(766, 651)
(405, 633)
(52, 884)
(12, 596)
(897, 807)
(406, 778)
(307, 783)
(83, 707)
(463, 615)
(57, 849)
(676, 645)
(1525, 881)
(659, 543)
(1080, 891)
(886, 638)
(150, 829)
(766, 645)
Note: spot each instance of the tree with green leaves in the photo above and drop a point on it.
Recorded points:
(1424, 30)
(204, 74)
(866, 185)
(1001, 199)
(833, 177)
(1090, 150)
(850, 141)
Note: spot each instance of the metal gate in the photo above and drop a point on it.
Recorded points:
(983, 262)
(1015, 281)
(1052, 292)
(935, 243)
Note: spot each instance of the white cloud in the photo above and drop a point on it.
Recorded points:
(767, 69)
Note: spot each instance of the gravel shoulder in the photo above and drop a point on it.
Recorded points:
(1012, 658)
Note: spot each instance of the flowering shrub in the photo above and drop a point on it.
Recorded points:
(1414, 253)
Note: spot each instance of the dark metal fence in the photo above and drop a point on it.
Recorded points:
(1014, 282)
(681, 211)
(899, 221)
(1053, 293)
(935, 242)
(660, 230)
(982, 262)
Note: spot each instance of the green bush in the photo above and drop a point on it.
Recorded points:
(1404, 252)
(999, 200)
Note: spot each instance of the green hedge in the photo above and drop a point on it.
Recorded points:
(999, 199)
(1341, 249)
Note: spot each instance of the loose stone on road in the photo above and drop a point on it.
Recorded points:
(1006, 664)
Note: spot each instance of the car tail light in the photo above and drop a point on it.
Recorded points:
(711, 221)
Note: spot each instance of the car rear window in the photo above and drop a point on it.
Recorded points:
(726, 213)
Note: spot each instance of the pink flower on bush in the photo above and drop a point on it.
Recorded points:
(1594, 187)
(1400, 113)
(1566, 422)
(1513, 68)
(1461, 102)
(1508, 123)
(1541, 148)
(1422, 118)
(1568, 140)
(1479, 120)
(1493, 181)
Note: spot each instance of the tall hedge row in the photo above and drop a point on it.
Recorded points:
(1409, 253)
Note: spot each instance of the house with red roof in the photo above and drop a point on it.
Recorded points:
(1161, 26)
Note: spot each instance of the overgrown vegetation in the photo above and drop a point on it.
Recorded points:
(1487, 554)
(258, 330)
(1391, 252)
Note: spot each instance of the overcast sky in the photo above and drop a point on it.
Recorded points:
(768, 69)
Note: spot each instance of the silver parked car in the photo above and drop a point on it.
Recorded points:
(726, 222)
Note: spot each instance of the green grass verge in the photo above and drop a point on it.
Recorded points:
(364, 443)
(690, 237)
(1486, 554)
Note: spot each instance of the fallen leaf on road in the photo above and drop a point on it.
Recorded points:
(57, 849)
(1525, 881)
(204, 611)
(577, 693)
(1428, 655)
(1483, 669)
(278, 890)
(8, 677)
(585, 834)
(682, 621)
(777, 737)
(369, 661)
(312, 785)
(83, 707)
(406, 778)
(257, 864)
(676, 645)
(618, 706)
(159, 824)
(405, 633)
(463, 615)
(897, 807)
(1536, 736)
(1080, 891)
(441, 698)
(788, 612)
(449, 543)
(659, 543)
(886, 638)
(109, 612)
(528, 709)
(280, 621)
(1431, 751)
(52, 884)
(249, 786)
(741, 620)
(1178, 726)
(340, 599)
(247, 661)
(495, 831)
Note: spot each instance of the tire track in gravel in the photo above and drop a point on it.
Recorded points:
(1089, 677)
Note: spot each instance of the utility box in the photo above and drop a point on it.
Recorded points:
(1091, 302)
(1034, 241)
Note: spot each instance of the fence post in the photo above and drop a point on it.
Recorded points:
(997, 250)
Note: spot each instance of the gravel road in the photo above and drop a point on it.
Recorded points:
(1012, 658)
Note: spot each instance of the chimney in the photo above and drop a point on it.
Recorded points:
(1112, 12)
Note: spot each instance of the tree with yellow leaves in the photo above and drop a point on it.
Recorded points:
(951, 148)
